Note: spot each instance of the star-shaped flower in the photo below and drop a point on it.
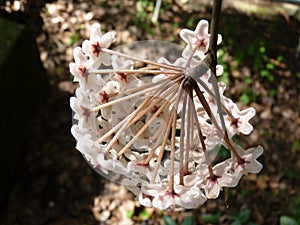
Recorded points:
(238, 120)
(162, 197)
(197, 40)
(249, 163)
(80, 68)
(221, 177)
(93, 46)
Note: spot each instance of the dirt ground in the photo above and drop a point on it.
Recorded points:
(56, 185)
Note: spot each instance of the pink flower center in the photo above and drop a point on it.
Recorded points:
(84, 72)
(200, 43)
(96, 48)
(122, 76)
(235, 123)
(86, 113)
(242, 163)
(103, 97)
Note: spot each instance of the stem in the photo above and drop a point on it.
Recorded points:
(214, 121)
(121, 126)
(134, 116)
(172, 155)
(141, 131)
(166, 94)
(157, 143)
(232, 149)
(163, 145)
(213, 96)
(210, 170)
(211, 58)
(199, 132)
(134, 58)
(189, 133)
(173, 137)
(146, 85)
(134, 71)
(207, 109)
(182, 137)
(122, 99)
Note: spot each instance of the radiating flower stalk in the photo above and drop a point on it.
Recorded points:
(158, 128)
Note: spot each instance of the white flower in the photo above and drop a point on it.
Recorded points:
(197, 40)
(163, 197)
(93, 46)
(86, 143)
(238, 121)
(80, 68)
(111, 163)
(119, 64)
(248, 162)
(158, 128)
(213, 183)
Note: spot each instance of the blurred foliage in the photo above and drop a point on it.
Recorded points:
(188, 220)
(241, 218)
(212, 218)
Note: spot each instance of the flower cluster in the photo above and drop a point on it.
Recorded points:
(157, 126)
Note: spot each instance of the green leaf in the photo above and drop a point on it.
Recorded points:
(270, 66)
(296, 145)
(236, 222)
(245, 99)
(244, 215)
(286, 220)
(168, 220)
(273, 92)
(252, 223)
(129, 214)
(144, 215)
(262, 49)
(264, 73)
(280, 58)
(189, 220)
(248, 80)
(210, 218)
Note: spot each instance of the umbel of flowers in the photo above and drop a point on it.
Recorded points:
(157, 129)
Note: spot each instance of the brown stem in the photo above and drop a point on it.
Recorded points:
(182, 137)
(163, 145)
(211, 58)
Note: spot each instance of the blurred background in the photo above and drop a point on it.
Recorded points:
(46, 181)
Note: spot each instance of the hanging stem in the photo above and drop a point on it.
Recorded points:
(211, 58)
